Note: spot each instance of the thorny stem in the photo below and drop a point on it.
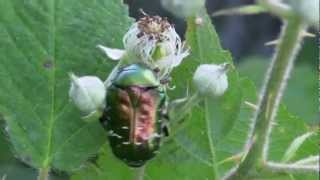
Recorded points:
(271, 94)
(43, 174)
(274, 87)
(309, 160)
(292, 168)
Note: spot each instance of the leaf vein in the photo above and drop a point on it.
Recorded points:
(68, 139)
(193, 154)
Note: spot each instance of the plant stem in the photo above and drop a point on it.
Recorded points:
(271, 94)
(139, 173)
(211, 143)
(43, 174)
(309, 160)
(185, 109)
(292, 168)
(4, 177)
(179, 112)
(276, 7)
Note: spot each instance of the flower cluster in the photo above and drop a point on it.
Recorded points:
(152, 41)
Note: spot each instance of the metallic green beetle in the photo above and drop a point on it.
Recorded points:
(135, 114)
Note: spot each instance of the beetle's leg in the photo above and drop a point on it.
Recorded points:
(105, 118)
(166, 80)
(163, 113)
(165, 129)
(165, 124)
(103, 121)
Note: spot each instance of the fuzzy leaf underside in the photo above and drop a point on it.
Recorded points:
(40, 43)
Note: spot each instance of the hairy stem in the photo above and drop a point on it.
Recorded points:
(292, 168)
(270, 98)
(309, 160)
(43, 174)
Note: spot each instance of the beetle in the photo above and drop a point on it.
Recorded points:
(135, 116)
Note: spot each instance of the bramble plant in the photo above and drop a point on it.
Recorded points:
(81, 79)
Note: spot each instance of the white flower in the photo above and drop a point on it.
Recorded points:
(87, 93)
(183, 8)
(211, 79)
(113, 54)
(152, 41)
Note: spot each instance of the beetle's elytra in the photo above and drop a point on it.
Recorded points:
(134, 114)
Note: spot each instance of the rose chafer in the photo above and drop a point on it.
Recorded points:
(135, 114)
(135, 105)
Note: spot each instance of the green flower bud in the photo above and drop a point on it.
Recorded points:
(211, 79)
(87, 93)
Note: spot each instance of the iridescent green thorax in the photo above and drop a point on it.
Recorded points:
(136, 75)
(134, 114)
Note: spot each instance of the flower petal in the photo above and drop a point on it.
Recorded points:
(114, 54)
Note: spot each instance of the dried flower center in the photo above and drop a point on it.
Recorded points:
(153, 26)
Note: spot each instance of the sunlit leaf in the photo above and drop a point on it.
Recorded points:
(40, 43)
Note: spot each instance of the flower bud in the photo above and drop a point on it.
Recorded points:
(211, 79)
(183, 8)
(87, 93)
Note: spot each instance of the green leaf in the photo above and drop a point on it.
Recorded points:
(42, 41)
(230, 149)
(295, 145)
(242, 10)
(187, 153)
(11, 168)
(288, 127)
